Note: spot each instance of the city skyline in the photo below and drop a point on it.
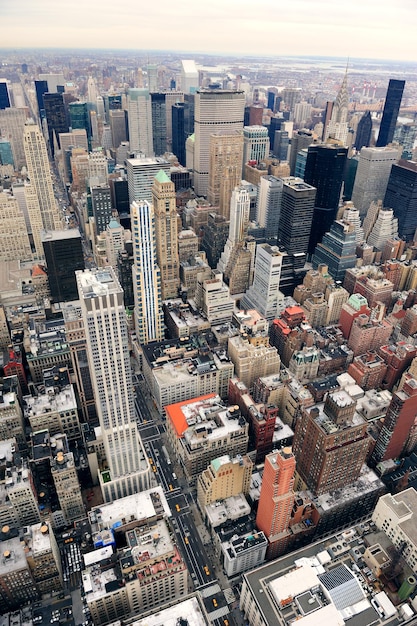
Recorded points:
(357, 30)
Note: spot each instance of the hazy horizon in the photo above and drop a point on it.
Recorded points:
(375, 29)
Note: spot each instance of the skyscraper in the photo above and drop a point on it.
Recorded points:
(104, 318)
(4, 95)
(140, 176)
(372, 176)
(363, 131)
(337, 127)
(41, 87)
(139, 106)
(41, 181)
(12, 123)
(215, 110)
(324, 170)
(301, 139)
(401, 195)
(118, 126)
(189, 76)
(225, 168)
(80, 118)
(268, 206)
(146, 275)
(297, 210)
(63, 256)
(166, 233)
(159, 123)
(390, 112)
(56, 117)
(255, 144)
(264, 294)
(337, 249)
(178, 132)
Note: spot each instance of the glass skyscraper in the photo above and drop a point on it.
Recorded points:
(390, 113)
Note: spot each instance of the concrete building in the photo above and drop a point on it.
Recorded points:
(268, 205)
(141, 172)
(367, 334)
(330, 443)
(252, 360)
(43, 557)
(213, 298)
(166, 234)
(14, 238)
(108, 353)
(224, 477)
(146, 275)
(225, 168)
(372, 176)
(179, 369)
(255, 144)
(140, 122)
(18, 503)
(264, 294)
(215, 110)
(12, 124)
(202, 428)
(11, 415)
(395, 516)
(189, 76)
(296, 215)
(17, 584)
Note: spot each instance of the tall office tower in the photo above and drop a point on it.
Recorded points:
(264, 294)
(100, 108)
(337, 249)
(152, 73)
(256, 112)
(301, 139)
(98, 166)
(330, 443)
(146, 275)
(117, 121)
(12, 124)
(225, 168)
(268, 205)
(40, 176)
(41, 87)
(290, 97)
(215, 235)
(166, 234)
(119, 193)
(281, 145)
(271, 100)
(401, 195)
(350, 213)
(405, 135)
(56, 117)
(139, 108)
(363, 131)
(64, 256)
(102, 207)
(189, 76)
(171, 98)
(337, 128)
(6, 153)
(324, 170)
(255, 144)
(52, 80)
(104, 318)
(140, 176)
(276, 500)
(68, 488)
(178, 131)
(4, 94)
(390, 112)
(92, 91)
(159, 123)
(398, 421)
(384, 229)
(215, 110)
(80, 118)
(302, 113)
(14, 239)
(372, 176)
(296, 217)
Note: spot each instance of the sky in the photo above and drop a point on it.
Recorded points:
(380, 29)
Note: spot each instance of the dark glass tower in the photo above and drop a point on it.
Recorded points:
(297, 210)
(271, 100)
(401, 195)
(390, 113)
(159, 123)
(337, 249)
(324, 170)
(4, 96)
(56, 117)
(80, 118)
(178, 131)
(41, 87)
(64, 256)
(364, 131)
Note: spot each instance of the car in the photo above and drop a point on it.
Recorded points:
(226, 622)
(186, 540)
(177, 506)
(171, 488)
(154, 468)
(206, 570)
(174, 476)
(215, 603)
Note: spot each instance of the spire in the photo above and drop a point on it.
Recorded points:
(341, 105)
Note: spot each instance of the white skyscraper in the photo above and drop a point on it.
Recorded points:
(255, 144)
(216, 110)
(337, 127)
(372, 175)
(189, 76)
(139, 108)
(239, 221)
(146, 275)
(264, 294)
(105, 324)
(268, 205)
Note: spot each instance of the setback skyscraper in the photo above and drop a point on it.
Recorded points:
(125, 469)
(63, 256)
(401, 195)
(372, 176)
